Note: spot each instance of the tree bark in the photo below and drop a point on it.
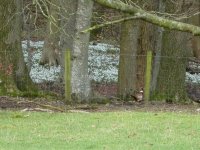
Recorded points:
(13, 72)
(78, 20)
(51, 49)
(68, 21)
(127, 63)
(171, 77)
(195, 41)
(158, 35)
(146, 43)
(80, 80)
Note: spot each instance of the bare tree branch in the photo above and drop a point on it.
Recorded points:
(151, 18)
(110, 23)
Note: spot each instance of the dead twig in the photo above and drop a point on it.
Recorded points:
(41, 105)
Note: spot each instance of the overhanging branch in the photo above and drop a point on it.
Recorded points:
(110, 23)
(151, 18)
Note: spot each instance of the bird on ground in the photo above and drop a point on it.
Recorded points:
(138, 95)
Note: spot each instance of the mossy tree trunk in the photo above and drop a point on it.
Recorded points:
(171, 77)
(13, 72)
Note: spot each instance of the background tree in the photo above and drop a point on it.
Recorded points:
(51, 49)
(195, 41)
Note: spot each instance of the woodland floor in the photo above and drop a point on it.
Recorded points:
(44, 105)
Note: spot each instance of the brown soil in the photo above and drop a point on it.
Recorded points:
(27, 104)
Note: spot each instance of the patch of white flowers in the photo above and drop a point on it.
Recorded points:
(39, 73)
(103, 61)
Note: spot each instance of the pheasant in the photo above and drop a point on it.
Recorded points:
(138, 95)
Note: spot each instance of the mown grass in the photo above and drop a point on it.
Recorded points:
(108, 130)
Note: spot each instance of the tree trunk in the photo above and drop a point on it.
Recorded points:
(135, 41)
(78, 43)
(171, 77)
(68, 21)
(127, 62)
(145, 43)
(13, 72)
(51, 50)
(80, 80)
(195, 41)
(158, 35)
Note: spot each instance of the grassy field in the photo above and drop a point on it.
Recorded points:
(101, 131)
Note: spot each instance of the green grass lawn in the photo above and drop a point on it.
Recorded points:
(103, 131)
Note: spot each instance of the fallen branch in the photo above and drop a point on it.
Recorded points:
(37, 109)
(45, 106)
(41, 105)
